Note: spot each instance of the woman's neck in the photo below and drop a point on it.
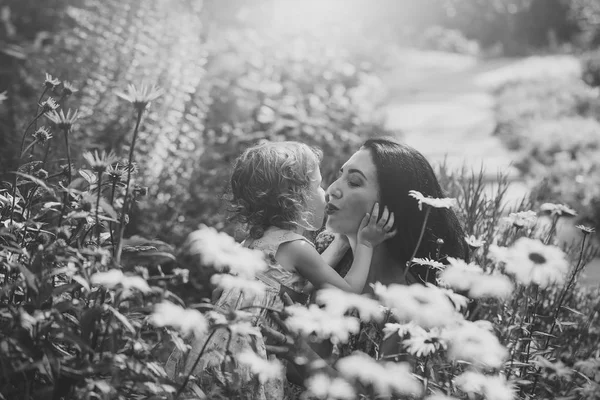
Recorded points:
(384, 268)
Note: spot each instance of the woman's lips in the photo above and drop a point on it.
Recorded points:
(330, 209)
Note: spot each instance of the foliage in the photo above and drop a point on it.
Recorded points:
(591, 68)
(554, 126)
(88, 314)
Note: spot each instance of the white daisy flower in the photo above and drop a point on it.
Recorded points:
(264, 369)
(497, 253)
(496, 286)
(430, 201)
(472, 343)
(222, 252)
(558, 210)
(470, 382)
(426, 306)
(460, 302)
(585, 229)
(337, 301)
(522, 219)
(401, 330)
(313, 320)
(387, 378)
(459, 275)
(498, 388)
(474, 242)
(185, 320)
(115, 278)
(423, 343)
(430, 263)
(321, 386)
(531, 261)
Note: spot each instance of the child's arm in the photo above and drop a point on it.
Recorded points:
(309, 263)
(336, 250)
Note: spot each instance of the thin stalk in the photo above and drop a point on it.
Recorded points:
(98, 206)
(126, 201)
(427, 211)
(110, 224)
(15, 180)
(187, 378)
(66, 131)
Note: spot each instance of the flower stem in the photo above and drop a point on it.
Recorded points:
(110, 224)
(66, 131)
(409, 262)
(98, 206)
(187, 378)
(126, 201)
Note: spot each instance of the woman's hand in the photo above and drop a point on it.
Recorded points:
(371, 231)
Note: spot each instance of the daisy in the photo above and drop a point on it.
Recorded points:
(222, 252)
(264, 369)
(556, 369)
(50, 82)
(114, 278)
(3, 97)
(422, 343)
(140, 96)
(460, 302)
(430, 201)
(470, 382)
(387, 378)
(430, 263)
(585, 229)
(321, 386)
(427, 306)
(531, 261)
(339, 302)
(474, 242)
(61, 120)
(187, 321)
(313, 320)
(42, 135)
(99, 162)
(459, 275)
(522, 219)
(69, 88)
(472, 343)
(401, 330)
(558, 210)
(498, 388)
(48, 105)
(496, 286)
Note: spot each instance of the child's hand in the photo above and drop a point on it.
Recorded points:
(372, 232)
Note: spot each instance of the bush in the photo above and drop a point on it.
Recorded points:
(590, 65)
(554, 127)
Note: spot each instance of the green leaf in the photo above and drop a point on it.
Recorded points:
(121, 318)
(88, 322)
(88, 175)
(572, 310)
(108, 209)
(30, 278)
(82, 281)
(38, 182)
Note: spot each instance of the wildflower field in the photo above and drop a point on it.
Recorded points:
(89, 314)
(109, 259)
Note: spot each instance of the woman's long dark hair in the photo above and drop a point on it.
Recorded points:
(400, 168)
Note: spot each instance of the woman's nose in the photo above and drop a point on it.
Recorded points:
(333, 191)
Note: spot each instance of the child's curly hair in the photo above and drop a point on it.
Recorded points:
(270, 185)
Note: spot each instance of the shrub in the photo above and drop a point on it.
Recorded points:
(590, 65)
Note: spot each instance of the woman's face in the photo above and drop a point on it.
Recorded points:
(353, 194)
(316, 200)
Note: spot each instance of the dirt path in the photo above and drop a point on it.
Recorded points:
(441, 105)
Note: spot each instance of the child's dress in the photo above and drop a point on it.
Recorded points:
(211, 368)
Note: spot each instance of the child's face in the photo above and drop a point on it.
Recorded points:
(316, 199)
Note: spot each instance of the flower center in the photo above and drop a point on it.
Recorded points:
(537, 258)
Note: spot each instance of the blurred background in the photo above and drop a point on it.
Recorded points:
(510, 85)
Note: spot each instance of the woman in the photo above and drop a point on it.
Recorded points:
(385, 171)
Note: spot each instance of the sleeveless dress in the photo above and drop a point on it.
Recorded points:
(211, 368)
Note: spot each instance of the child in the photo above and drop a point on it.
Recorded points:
(277, 193)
